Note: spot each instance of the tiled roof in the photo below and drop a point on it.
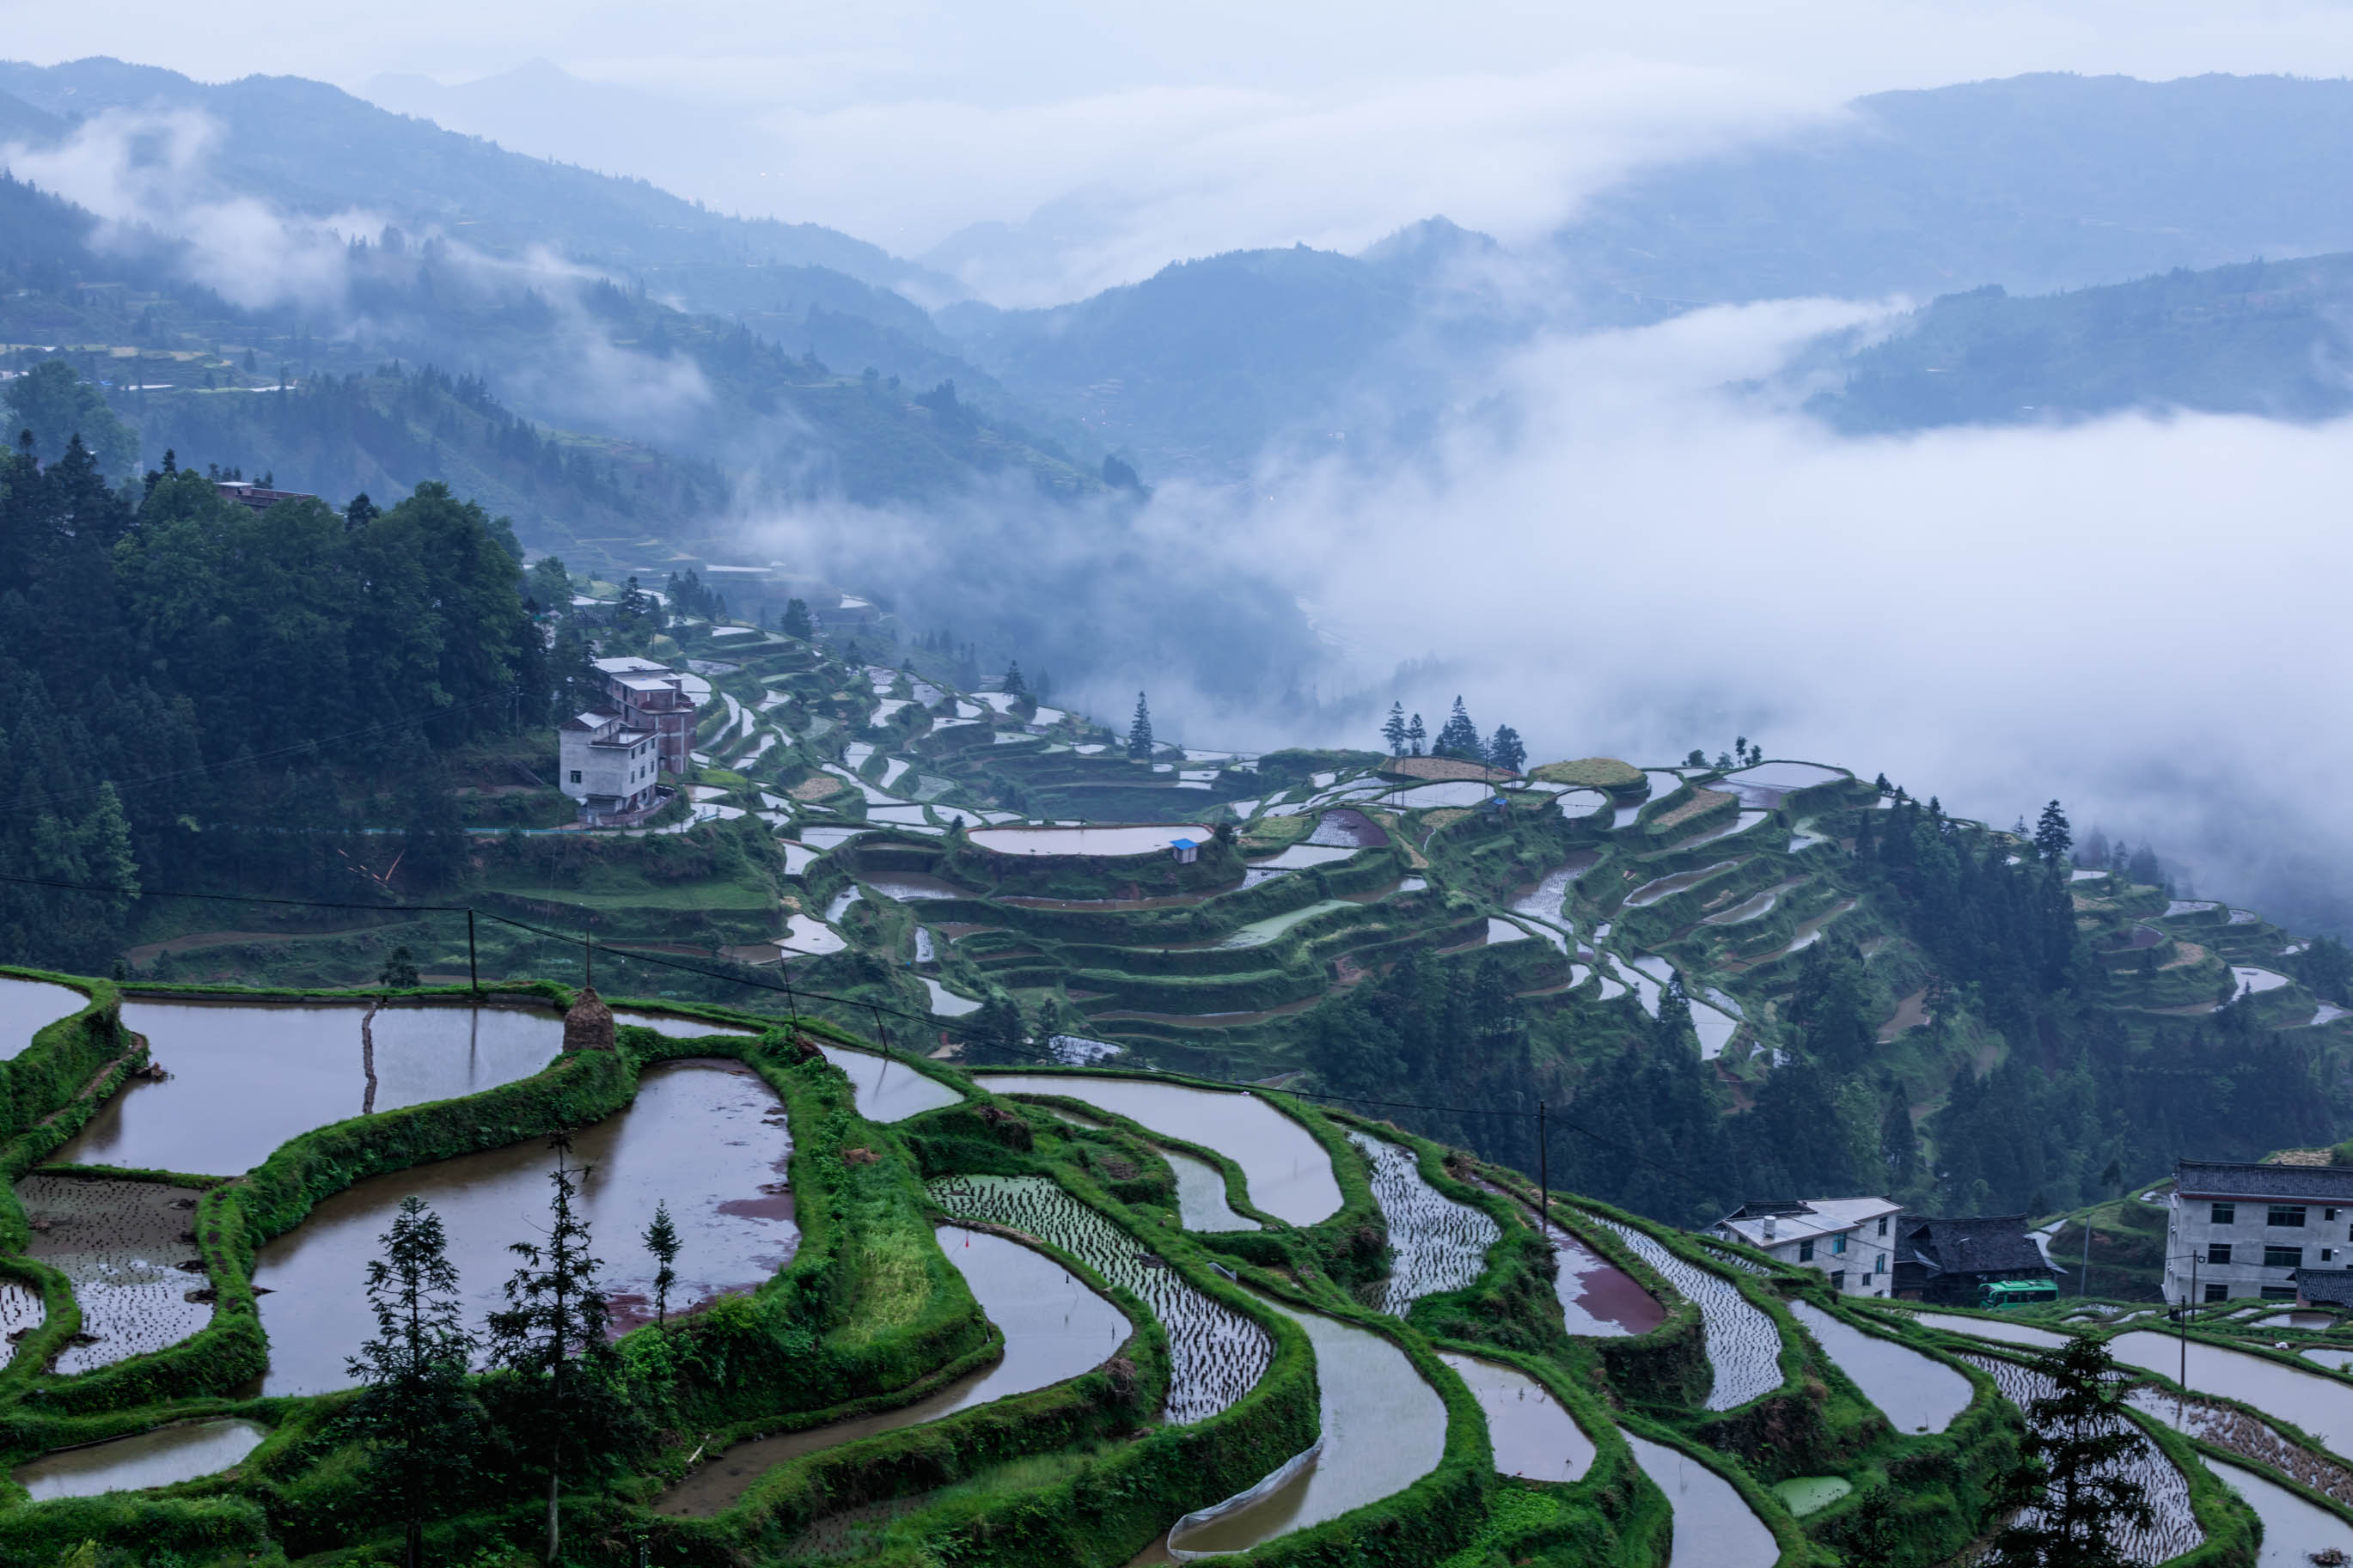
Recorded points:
(1986, 1243)
(2220, 1179)
(2334, 1286)
(1796, 1220)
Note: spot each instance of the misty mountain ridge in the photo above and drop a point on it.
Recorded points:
(2264, 338)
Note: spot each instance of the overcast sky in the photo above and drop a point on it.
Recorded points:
(1162, 132)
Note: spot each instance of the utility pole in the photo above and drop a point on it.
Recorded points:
(1544, 1173)
(473, 974)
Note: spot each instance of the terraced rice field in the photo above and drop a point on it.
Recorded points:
(2173, 1527)
(26, 1005)
(1216, 1354)
(162, 1458)
(2321, 1405)
(885, 1090)
(1437, 1242)
(1533, 1434)
(1288, 1173)
(1917, 1393)
(1383, 1430)
(1744, 1348)
(130, 1251)
(1714, 1526)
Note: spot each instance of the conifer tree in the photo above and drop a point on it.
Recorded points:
(552, 1334)
(1139, 731)
(1414, 736)
(1013, 685)
(997, 1037)
(1460, 737)
(797, 621)
(413, 1411)
(1505, 752)
(1393, 730)
(2052, 838)
(2069, 1475)
(661, 1240)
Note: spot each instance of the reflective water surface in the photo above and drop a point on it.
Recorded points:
(26, 1005)
(1714, 1526)
(1533, 1436)
(1054, 1326)
(707, 1137)
(1917, 1393)
(888, 1090)
(247, 1077)
(1288, 1173)
(159, 1459)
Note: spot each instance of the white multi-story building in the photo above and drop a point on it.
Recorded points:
(1852, 1240)
(612, 768)
(2244, 1230)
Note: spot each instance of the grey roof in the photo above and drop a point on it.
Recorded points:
(1986, 1243)
(2334, 1286)
(2222, 1179)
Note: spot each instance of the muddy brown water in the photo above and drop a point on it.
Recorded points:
(1055, 1328)
(1597, 1299)
(243, 1077)
(705, 1135)
(158, 1458)
(122, 1245)
(27, 1004)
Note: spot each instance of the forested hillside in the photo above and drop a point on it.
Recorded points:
(2266, 338)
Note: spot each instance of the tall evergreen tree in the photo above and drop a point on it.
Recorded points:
(413, 1412)
(797, 621)
(1139, 731)
(2070, 1478)
(1013, 685)
(2051, 839)
(661, 1240)
(1393, 730)
(550, 1336)
(1460, 737)
(1414, 736)
(1505, 752)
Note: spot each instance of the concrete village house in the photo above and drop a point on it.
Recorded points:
(614, 756)
(2251, 1230)
(1852, 1240)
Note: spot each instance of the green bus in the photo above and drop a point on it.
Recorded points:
(1999, 1293)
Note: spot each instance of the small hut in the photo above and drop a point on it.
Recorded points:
(588, 1027)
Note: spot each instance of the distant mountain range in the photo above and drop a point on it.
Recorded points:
(2034, 184)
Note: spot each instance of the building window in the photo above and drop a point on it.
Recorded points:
(2217, 1252)
(2283, 1258)
(575, 775)
(1837, 1243)
(1838, 1278)
(1879, 1267)
(1805, 1251)
(2328, 1214)
(1883, 1225)
(2218, 1292)
(2226, 1214)
(2328, 1254)
(2279, 1293)
(2288, 1214)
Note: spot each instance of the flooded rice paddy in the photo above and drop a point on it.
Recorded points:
(1129, 839)
(1764, 785)
(2320, 1404)
(1714, 1526)
(2172, 1528)
(25, 1005)
(1436, 1243)
(1651, 892)
(1744, 1348)
(2296, 1531)
(1992, 1329)
(1348, 828)
(1055, 1329)
(708, 1137)
(946, 1004)
(886, 1090)
(1383, 1429)
(245, 1078)
(1533, 1434)
(1201, 1202)
(911, 886)
(1597, 1299)
(1288, 1173)
(162, 1457)
(1917, 1393)
(674, 1026)
(1216, 1354)
(1741, 823)
(130, 1249)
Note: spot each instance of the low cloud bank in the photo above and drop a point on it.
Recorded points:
(1621, 552)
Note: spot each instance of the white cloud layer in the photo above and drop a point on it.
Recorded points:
(2142, 616)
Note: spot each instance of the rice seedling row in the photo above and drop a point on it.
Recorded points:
(1743, 1345)
(1216, 1354)
(1437, 1242)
